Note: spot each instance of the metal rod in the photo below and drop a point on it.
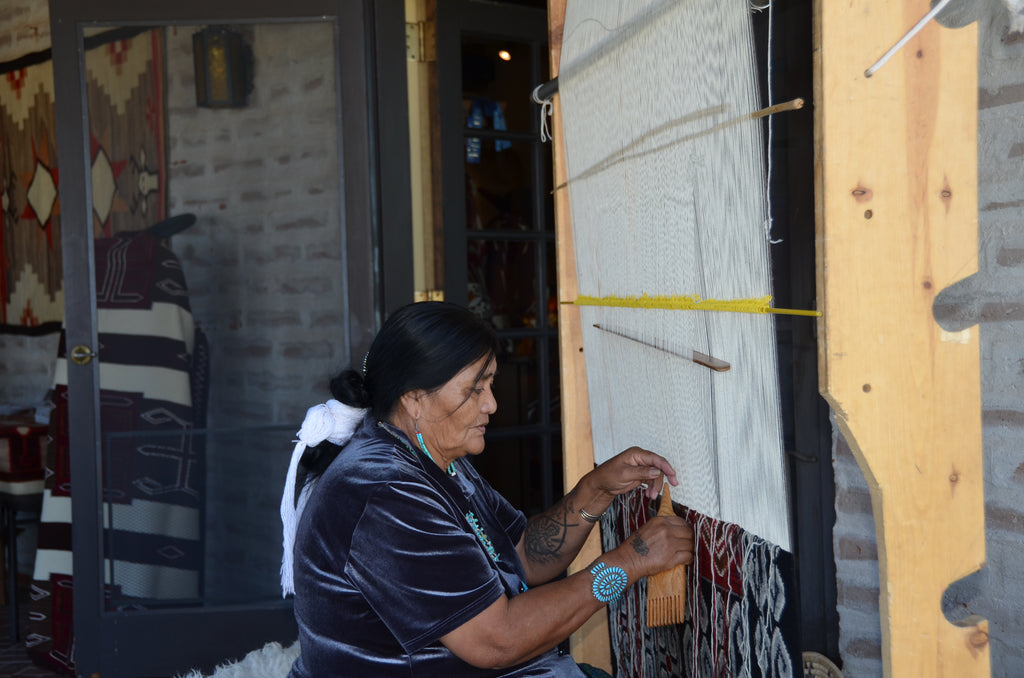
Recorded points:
(939, 6)
(545, 91)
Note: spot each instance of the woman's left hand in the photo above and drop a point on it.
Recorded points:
(631, 468)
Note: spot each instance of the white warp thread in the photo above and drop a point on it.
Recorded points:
(686, 218)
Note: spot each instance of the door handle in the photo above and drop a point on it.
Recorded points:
(82, 354)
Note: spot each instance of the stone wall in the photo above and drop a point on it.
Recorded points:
(266, 276)
(24, 28)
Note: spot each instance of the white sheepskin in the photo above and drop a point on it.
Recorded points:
(270, 661)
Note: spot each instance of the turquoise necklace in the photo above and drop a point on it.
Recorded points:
(471, 518)
(482, 536)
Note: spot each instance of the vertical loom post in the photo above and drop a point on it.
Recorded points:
(897, 223)
(590, 643)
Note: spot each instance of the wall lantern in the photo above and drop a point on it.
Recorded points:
(223, 65)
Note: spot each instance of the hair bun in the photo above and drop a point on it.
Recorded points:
(350, 389)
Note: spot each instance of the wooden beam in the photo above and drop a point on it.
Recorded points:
(590, 644)
(897, 223)
(423, 135)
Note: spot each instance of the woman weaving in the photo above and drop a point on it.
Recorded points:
(406, 562)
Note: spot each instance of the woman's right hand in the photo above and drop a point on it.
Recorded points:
(660, 544)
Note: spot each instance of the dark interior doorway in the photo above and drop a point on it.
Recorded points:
(499, 229)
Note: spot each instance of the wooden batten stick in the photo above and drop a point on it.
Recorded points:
(622, 155)
(666, 591)
(693, 356)
(794, 105)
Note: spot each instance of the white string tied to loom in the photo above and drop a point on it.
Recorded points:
(770, 6)
(331, 421)
(546, 109)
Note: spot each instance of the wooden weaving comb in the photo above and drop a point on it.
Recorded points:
(666, 591)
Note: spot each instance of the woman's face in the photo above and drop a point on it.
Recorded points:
(453, 419)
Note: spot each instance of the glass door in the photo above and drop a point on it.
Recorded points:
(218, 227)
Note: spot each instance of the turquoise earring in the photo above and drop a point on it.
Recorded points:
(423, 446)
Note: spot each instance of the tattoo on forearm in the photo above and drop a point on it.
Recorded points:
(640, 546)
(546, 534)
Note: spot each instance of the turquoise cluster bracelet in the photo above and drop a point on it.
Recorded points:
(609, 582)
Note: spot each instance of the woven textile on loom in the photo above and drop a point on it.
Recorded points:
(667, 179)
(742, 617)
(667, 187)
(668, 194)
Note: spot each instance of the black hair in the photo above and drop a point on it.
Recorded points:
(420, 347)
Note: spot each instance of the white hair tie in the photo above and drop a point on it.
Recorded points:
(331, 421)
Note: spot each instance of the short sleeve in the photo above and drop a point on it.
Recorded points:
(417, 566)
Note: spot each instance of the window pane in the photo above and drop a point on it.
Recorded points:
(503, 282)
(499, 190)
(489, 81)
(517, 384)
(215, 324)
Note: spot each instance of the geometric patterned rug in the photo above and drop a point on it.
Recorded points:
(125, 94)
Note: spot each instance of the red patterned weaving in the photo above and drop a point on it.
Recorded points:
(739, 620)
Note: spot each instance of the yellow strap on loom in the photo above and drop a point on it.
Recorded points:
(692, 303)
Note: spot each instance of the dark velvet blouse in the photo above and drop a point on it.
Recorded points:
(387, 562)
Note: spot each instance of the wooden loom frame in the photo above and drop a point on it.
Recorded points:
(896, 213)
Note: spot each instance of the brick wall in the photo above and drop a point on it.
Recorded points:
(265, 272)
(24, 28)
(992, 298)
(26, 369)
